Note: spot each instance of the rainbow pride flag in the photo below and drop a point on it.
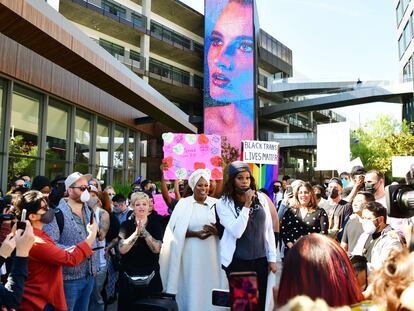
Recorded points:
(269, 176)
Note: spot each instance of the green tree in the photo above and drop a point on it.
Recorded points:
(381, 139)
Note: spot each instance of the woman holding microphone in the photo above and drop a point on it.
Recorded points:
(248, 242)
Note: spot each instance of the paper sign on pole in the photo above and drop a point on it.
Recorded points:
(333, 148)
(260, 152)
(401, 165)
(185, 153)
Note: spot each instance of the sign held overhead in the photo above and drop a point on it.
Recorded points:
(260, 152)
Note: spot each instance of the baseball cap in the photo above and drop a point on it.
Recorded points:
(72, 178)
(238, 167)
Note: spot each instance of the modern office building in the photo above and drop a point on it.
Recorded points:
(98, 81)
(405, 33)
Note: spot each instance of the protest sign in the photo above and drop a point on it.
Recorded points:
(185, 153)
(260, 152)
(333, 146)
(159, 204)
(401, 165)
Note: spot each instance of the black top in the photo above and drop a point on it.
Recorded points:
(154, 216)
(352, 232)
(251, 245)
(11, 293)
(341, 213)
(140, 260)
(114, 226)
(294, 226)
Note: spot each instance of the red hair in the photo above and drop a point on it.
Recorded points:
(316, 266)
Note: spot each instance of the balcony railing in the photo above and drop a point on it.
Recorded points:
(96, 6)
(138, 21)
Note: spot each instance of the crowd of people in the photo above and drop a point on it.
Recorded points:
(80, 247)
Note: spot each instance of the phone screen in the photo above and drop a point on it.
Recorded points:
(220, 298)
(244, 293)
(21, 224)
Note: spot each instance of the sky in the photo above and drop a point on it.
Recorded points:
(336, 40)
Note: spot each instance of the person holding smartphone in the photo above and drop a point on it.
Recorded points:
(248, 242)
(43, 289)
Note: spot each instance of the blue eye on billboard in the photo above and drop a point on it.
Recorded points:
(229, 70)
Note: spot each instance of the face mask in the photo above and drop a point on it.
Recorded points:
(28, 184)
(85, 196)
(116, 209)
(370, 187)
(333, 194)
(345, 182)
(111, 196)
(48, 217)
(318, 196)
(92, 202)
(368, 226)
(276, 189)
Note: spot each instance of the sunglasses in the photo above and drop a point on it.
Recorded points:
(81, 188)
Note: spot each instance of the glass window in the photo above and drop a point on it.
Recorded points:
(24, 136)
(118, 149)
(401, 45)
(399, 13)
(407, 36)
(102, 143)
(56, 138)
(131, 157)
(137, 20)
(114, 9)
(135, 55)
(407, 72)
(82, 140)
(112, 48)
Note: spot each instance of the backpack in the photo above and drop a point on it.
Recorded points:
(60, 219)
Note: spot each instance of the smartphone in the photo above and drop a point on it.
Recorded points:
(92, 218)
(21, 224)
(97, 248)
(289, 190)
(220, 298)
(244, 293)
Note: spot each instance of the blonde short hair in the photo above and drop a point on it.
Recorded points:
(139, 196)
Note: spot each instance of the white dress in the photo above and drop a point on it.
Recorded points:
(200, 271)
(190, 267)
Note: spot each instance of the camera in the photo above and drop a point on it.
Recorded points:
(400, 198)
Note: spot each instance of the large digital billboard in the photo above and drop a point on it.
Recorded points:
(229, 86)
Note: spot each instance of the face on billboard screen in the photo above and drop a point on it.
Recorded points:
(228, 73)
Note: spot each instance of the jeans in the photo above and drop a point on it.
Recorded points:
(78, 293)
(48, 307)
(97, 303)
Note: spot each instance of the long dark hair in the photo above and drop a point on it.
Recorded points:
(229, 192)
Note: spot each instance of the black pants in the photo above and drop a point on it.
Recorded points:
(260, 266)
(129, 293)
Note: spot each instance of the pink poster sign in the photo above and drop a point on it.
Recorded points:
(185, 153)
(159, 204)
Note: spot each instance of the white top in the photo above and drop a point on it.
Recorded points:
(234, 228)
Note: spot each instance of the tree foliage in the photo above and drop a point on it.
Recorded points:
(381, 139)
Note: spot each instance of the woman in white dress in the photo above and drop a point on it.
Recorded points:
(190, 257)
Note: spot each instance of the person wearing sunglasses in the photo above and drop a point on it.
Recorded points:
(69, 228)
(43, 289)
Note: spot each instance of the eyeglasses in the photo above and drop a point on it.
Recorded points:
(81, 188)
